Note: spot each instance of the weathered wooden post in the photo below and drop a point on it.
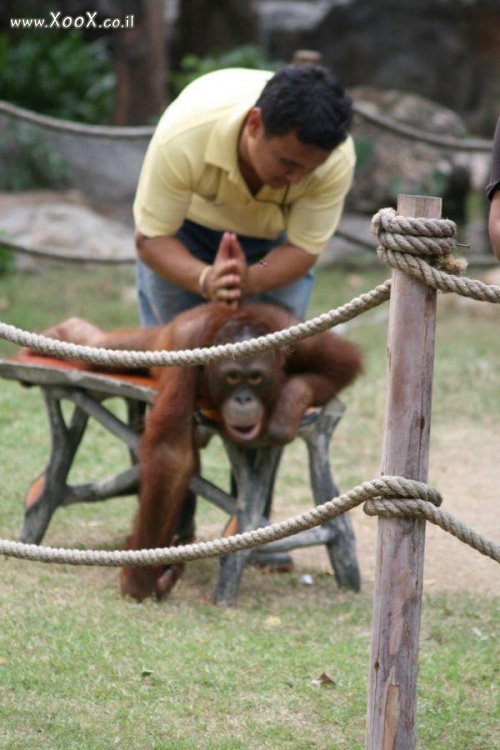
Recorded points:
(391, 723)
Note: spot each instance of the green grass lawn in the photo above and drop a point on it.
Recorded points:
(82, 668)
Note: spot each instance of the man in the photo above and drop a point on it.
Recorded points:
(242, 186)
(493, 192)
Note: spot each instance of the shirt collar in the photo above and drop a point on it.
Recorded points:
(222, 146)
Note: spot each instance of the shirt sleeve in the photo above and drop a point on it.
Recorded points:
(314, 217)
(494, 183)
(163, 193)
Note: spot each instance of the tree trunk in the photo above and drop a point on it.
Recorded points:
(140, 62)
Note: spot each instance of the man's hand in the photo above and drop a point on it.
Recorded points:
(226, 279)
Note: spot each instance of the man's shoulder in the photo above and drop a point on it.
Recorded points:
(227, 83)
(212, 97)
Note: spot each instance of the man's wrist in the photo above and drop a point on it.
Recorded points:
(202, 282)
(252, 287)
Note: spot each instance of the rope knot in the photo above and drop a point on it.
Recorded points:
(430, 240)
(401, 497)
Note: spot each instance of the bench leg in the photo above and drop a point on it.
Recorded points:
(341, 544)
(254, 473)
(47, 491)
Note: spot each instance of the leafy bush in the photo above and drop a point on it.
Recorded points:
(59, 75)
(192, 66)
(29, 162)
(7, 260)
(364, 150)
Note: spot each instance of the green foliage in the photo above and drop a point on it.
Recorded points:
(61, 75)
(364, 150)
(436, 184)
(192, 66)
(7, 263)
(29, 162)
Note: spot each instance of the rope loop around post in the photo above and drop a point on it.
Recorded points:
(423, 248)
(408, 498)
(431, 240)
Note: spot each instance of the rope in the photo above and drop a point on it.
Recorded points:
(79, 258)
(130, 359)
(423, 248)
(66, 257)
(413, 499)
(441, 518)
(403, 243)
(145, 132)
(75, 128)
(415, 134)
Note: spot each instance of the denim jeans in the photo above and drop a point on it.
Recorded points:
(160, 300)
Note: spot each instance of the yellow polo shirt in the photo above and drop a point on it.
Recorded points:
(190, 171)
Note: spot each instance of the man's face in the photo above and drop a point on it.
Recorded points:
(279, 161)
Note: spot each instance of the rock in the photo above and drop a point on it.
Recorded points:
(389, 164)
(61, 223)
(444, 50)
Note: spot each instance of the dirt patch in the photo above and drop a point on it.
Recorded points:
(465, 469)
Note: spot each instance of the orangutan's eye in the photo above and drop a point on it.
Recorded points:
(233, 378)
(255, 378)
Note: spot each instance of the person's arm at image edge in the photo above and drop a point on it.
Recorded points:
(493, 193)
(494, 223)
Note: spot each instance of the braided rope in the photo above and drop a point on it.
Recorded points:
(423, 237)
(130, 359)
(401, 240)
(424, 136)
(145, 132)
(81, 258)
(413, 499)
(423, 248)
(109, 132)
(441, 518)
(76, 258)
(418, 268)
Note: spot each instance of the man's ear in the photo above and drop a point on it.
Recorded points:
(254, 121)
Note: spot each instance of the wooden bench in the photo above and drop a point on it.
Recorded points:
(254, 471)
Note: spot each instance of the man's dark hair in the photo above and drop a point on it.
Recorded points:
(307, 100)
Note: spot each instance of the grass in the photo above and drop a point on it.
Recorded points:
(82, 668)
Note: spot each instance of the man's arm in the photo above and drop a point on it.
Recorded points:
(283, 265)
(494, 223)
(229, 279)
(493, 193)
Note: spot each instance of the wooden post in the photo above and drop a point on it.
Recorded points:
(392, 687)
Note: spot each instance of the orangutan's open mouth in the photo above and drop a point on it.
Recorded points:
(244, 432)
